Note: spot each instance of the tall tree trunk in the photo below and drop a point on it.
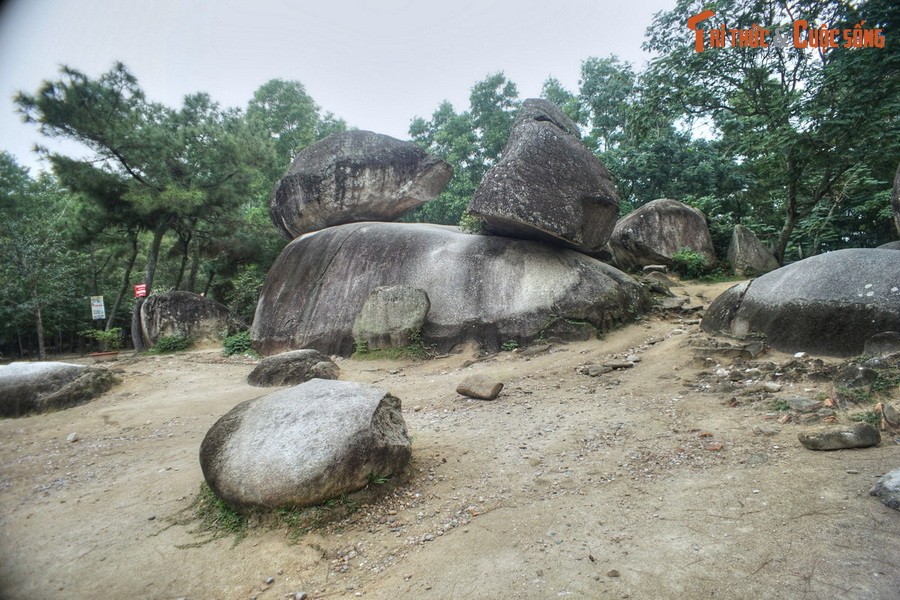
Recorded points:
(21, 349)
(790, 218)
(39, 325)
(184, 260)
(137, 337)
(126, 280)
(209, 283)
(195, 268)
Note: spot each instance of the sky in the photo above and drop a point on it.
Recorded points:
(375, 63)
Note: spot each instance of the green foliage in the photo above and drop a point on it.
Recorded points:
(246, 285)
(171, 343)
(216, 517)
(509, 346)
(872, 417)
(887, 380)
(110, 341)
(239, 343)
(413, 351)
(689, 264)
(470, 224)
(856, 395)
(781, 405)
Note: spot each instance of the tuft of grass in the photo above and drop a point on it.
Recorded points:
(509, 346)
(856, 395)
(215, 518)
(780, 405)
(872, 417)
(887, 380)
(171, 343)
(238, 343)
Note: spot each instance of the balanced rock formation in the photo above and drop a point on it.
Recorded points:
(747, 254)
(184, 314)
(27, 388)
(391, 317)
(655, 232)
(827, 304)
(304, 445)
(292, 368)
(354, 176)
(488, 289)
(547, 185)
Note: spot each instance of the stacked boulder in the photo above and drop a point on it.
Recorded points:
(546, 207)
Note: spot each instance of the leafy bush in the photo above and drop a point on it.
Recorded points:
(110, 341)
(689, 264)
(171, 343)
(872, 417)
(238, 343)
(509, 346)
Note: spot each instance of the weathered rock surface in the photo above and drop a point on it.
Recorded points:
(882, 345)
(547, 185)
(354, 176)
(826, 304)
(391, 317)
(887, 489)
(890, 246)
(293, 368)
(486, 289)
(858, 435)
(303, 445)
(27, 388)
(658, 230)
(747, 255)
(188, 315)
(480, 387)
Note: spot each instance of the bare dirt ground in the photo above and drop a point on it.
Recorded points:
(632, 484)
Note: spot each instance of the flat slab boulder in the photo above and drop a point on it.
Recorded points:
(655, 232)
(547, 185)
(354, 176)
(304, 445)
(184, 314)
(292, 368)
(391, 317)
(747, 255)
(488, 289)
(29, 388)
(827, 304)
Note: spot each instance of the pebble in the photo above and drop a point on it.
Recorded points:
(270, 580)
(677, 332)
(151, 517)
(300, 596)
(612, 573)
(771, 386)
(72, 437)
(428, 538)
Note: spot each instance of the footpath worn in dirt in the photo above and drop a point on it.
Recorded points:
(631, 484)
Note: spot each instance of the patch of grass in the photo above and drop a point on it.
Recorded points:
(215, 518)
(171, 343)
(509, 346)
(415, 350)
(872, 417)
(780, 405)
(887, 380)
(238, 343)
(856, 395)
(378, 479)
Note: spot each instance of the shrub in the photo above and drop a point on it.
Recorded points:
(238, 343)
(110, 341)
(171, 343)
(689, 264)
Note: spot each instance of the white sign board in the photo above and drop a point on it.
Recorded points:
(98, 310)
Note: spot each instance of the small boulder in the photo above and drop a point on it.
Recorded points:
(858, 435)
(391, 317)
(292, 368)
(657, 231)
(354, 176)
(747, 254)
(480, 387)
(188, 315)
(801, 404)
(887, 489)
(305, 444)
(547, 185)
(27, 388)
(882, 345)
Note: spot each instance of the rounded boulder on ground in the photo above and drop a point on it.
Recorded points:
(486, 289)
(188, 315)
(547, 185)
(827, 304)
(354, 176)
(391, 317)
(747, 254)
(304, 445)
(27, 388)
(292, 368)
(655, 232)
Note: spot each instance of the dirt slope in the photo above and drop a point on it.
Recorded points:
(566, 485)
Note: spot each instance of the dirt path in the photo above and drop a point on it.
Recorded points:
(567, 485)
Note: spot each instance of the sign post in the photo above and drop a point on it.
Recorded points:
(140, 290)
(98, 310)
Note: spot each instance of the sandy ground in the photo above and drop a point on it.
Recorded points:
(566, 485)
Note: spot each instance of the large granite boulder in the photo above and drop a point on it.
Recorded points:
(747, 254)
(483, 288)
(354, 176)
(27, 388)
(655, 232)
(292, 368)
(184, 314)
(547, 185)
(826, 304)
(890, 246)
(304, 445)
(391, 317)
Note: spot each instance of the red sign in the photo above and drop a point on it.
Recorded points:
(140, 290)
